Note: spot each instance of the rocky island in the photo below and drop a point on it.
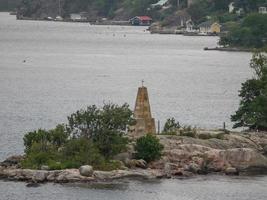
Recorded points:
(233, 154)
(186, 152)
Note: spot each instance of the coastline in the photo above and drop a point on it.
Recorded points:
(105, 22)
(183, 157)
(230, 49)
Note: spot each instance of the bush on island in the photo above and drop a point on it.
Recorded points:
(148, 148)
(171, 127)
(188, 131)
(91, 137)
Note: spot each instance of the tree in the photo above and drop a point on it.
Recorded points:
(105, 127)
(252, 112)
(199, 10)
(171, 126)
(81, 151)
(148, 148)
(249, 5)
(44, 138)
(252, 33)
(92, 136)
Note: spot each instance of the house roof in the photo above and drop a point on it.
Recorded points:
(206, 24)
(145, 18)
(160, 3)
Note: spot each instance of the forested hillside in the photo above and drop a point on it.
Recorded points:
(123, 9)
(9, 5)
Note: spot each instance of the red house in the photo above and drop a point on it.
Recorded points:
(141, 20)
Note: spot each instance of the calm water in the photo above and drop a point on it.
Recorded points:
(200, 188)
(70, 65)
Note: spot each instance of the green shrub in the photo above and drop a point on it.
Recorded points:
(204, 136)
(38, 156)
(81, 151)
(57, 137)
(219, 136)
(168, 133)
(53, 165)
(171, 127)
(41, 137)
(109, 165)
(188, 131)
(188, 134)
(148, 148)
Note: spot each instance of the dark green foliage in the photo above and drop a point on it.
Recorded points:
(96, 8)
(249, 5)
(57, 137)
(81, 151)
(148, 148)
(205, 136)
(110, 143)
(138, 7)
(105, 126)
(199, 11)
(9, 5)
(92, 137)
(188, 131)
(252, 32)
(38, 155)
(202, 8)
(171, 126)
(252, 112)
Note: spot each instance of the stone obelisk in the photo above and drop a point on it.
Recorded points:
(145, 124)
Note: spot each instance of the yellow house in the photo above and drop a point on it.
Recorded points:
(209, 27)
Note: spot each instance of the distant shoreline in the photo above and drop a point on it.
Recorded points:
(106, 22)
(229, 49)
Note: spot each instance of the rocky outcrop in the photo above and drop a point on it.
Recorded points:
(242, 152)
(11, 161)
(233, 154)
(73, 175)
(137, 173)
(231, 171)
(136, 163)
(86, 170)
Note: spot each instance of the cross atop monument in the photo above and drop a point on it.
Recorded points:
(143, 82)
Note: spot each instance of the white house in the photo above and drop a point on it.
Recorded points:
(262, 10)
(231, 7)
(77, 17)
(159, 4)
(190, 26)
(240, 11)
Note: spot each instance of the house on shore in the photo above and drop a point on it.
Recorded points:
(263, 10)
(189, 26)
(209, 27)
(159, 4)
(231, 7)
(78, 17)
(141, 20)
